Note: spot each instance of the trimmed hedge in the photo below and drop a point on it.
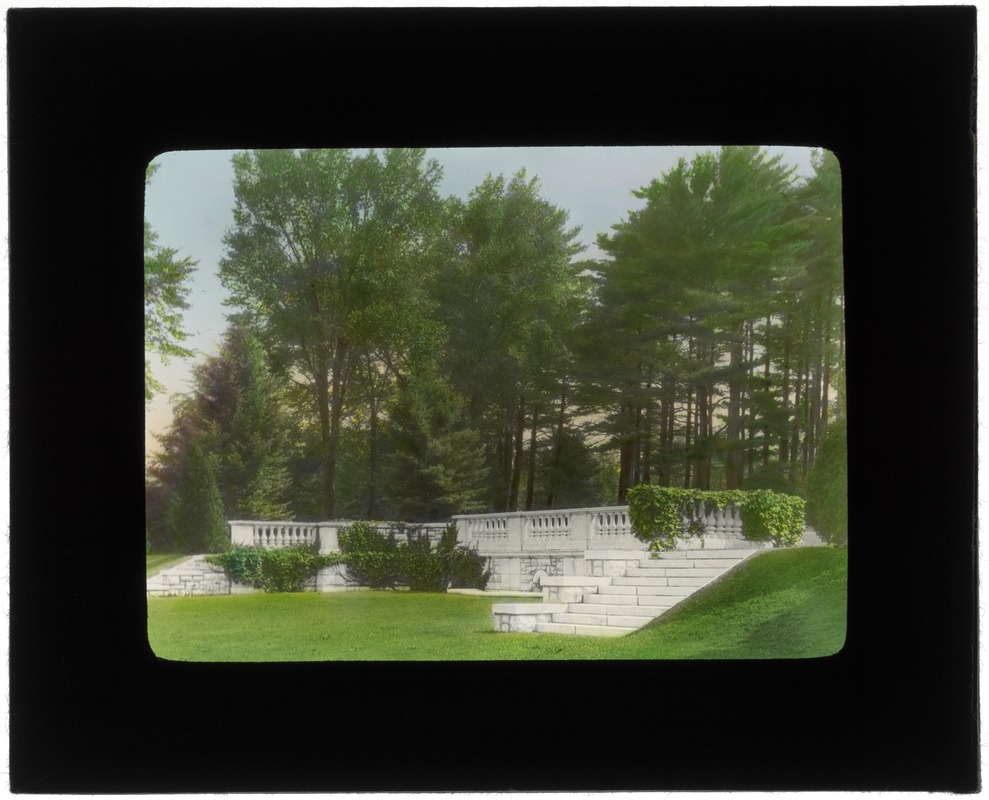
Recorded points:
(378, 560)
(278, 570)
(663, 515)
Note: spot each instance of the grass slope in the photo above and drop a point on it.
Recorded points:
(156, 562)
(780, 604)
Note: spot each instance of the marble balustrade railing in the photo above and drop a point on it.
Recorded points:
(605, 528)
(268, 534)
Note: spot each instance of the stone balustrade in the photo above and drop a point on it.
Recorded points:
(326, 535)
(524, 548)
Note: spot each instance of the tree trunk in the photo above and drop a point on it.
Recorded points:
(767, 387)
(558, 450)
(687, 462)
(513, 497)
(795, 428)
(733, 457)
(702, 467)
(505, 465)
(372, 494)
(530, 484)
(785, 395)
(645, 472)
(340, 359)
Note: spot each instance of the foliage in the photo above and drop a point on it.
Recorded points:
(509, 299)
(436, 467)
(234, 412)
(379, 560)
(773, 476)
(196, 518)
(662, 515)
(573, 473)
(371, 556)
(397, 355)
(827, 486)
(330, 256)
(242, 564)
(423, 569)
(768, 515)
(286, 569)
(166, 287)
(237, 405)
(465, 569)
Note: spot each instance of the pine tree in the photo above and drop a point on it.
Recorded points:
(196, 515)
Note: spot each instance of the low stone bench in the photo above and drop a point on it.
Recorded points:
(522, 617)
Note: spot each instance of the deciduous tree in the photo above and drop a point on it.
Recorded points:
(166, 289)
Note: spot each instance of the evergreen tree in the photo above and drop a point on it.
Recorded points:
(234, 414)
(509, 298)
(195, 516)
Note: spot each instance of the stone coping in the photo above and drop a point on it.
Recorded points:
(528, 608)
(494, 592)
(546, 512)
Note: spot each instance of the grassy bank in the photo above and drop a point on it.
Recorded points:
(781, 604)
(156, 562)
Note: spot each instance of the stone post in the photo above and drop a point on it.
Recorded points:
(329, 541)
(241, 533)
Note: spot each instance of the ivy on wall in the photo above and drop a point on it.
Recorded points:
(663, 515)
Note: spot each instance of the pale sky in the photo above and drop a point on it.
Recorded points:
(190, 206)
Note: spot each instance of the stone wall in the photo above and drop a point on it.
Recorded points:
(193, 577)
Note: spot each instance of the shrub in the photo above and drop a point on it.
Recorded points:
(277, 570)
(378, 560)
(827, 486)
(465, 569)
(662, 515)
(423, 569)
(371, 556)
(772, 516)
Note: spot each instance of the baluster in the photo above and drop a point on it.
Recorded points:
(736, 521)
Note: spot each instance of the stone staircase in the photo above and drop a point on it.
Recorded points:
(621, 603)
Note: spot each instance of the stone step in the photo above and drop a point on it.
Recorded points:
(580, 619)
(673, 555)
(611, 591)
(665, 570)
(664, 591)
(612, 599)
(620, 611)
(582, 630)
(659, 584)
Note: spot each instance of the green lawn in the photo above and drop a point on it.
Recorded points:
(780, 604)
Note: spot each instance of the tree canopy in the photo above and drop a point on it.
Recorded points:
(398, 353)
(166, 289)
